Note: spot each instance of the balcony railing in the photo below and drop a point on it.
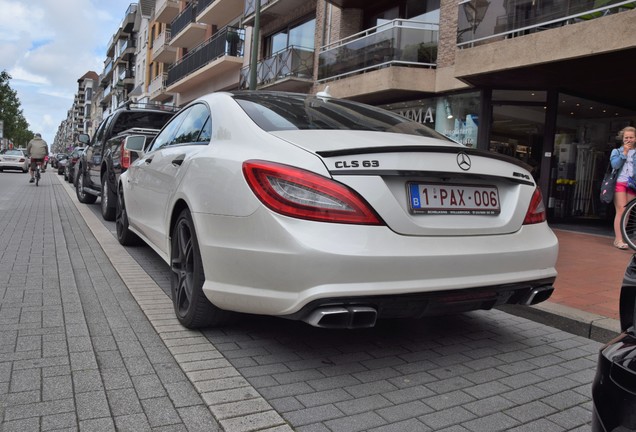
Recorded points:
(202, 4)
(398, 42)
(162, 40)
(292, 62)
(186, 17)
(484, 21)
(228, 41)
(158, 84)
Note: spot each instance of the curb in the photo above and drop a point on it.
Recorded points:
(571, 320)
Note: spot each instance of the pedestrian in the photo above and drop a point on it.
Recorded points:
(37, 149)
(623, 158)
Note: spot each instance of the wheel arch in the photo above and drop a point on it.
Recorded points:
(179, 206)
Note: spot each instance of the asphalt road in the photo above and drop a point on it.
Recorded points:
(478, 371)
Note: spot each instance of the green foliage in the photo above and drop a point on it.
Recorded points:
(16, 128)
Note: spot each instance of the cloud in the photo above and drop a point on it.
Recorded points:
(47, 45)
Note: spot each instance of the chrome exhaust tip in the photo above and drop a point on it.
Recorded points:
(352, 317)
(537, 295)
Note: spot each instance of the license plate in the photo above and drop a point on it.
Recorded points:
(442, 198)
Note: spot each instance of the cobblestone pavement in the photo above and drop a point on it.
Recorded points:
(89, 342)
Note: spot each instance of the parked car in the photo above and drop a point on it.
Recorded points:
(105, 159)
(14, 159)
(60, 162)
(56, 158)
(69, 169)
(331, 212)
(614, 386)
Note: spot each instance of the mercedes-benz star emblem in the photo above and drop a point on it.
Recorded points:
(463, 161)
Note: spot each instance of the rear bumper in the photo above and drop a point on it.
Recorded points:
(437, 303)
(274, 265)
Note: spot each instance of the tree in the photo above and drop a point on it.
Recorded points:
(16, 128)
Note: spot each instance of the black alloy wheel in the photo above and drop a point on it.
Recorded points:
(124, 235)
(108, 209)
(191, 307)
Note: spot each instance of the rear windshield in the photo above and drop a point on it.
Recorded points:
(140, 119)
(14, 153)
(277, 112)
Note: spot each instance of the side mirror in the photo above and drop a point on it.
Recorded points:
(84, 138)
(135, 143)
(627, 305)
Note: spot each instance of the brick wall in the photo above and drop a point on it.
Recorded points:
(447, 33)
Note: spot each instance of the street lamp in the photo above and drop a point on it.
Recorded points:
(475, 11)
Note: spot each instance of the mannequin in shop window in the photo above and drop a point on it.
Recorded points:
(623, 157)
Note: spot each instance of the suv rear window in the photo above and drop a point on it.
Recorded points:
(141, 119)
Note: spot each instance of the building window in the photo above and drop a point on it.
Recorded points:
(298, 35)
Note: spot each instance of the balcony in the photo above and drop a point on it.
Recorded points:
(157, 89)
(270, 10)
(162, 51)
(186, 32)
(221, 54)
(290, 69)
(106, 76)
(125, 50)
(486, 21)
(128, 22)
(166, 11)
(397, 43)
(125, 77)
(218, 12)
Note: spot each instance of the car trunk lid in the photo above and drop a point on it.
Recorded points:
(425, 186)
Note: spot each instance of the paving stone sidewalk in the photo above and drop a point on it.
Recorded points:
(76, 350)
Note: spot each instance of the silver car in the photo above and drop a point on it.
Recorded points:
(15, 159)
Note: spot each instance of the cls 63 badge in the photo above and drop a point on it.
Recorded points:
(358, 164)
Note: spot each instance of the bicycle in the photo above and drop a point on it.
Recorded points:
(628, 224)
(37, 173)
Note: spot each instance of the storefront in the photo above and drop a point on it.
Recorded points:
(565, 140)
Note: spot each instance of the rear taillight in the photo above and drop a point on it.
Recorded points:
(302, 194)
(536, 210)
(125, 156)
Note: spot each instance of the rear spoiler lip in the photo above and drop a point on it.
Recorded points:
(415, 174)
(423, 149)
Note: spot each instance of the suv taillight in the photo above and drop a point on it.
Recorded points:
(125, 156)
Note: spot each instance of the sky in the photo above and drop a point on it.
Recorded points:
(47, 45)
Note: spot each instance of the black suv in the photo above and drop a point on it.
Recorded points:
(105, 158)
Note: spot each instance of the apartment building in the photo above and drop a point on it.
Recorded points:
(196, 47)
(544, 81)
(79, 117)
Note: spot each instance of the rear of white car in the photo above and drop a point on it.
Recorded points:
(479, 243)
(326, 211)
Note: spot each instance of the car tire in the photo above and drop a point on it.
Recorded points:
(125, 237)
(69, 176)
(82, 196)
(108, 198)
(191, 306)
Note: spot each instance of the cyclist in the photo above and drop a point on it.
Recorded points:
(36, 149)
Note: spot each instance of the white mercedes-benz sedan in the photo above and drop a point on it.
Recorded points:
(332, 212)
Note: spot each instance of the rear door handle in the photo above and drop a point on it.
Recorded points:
(147, 161)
